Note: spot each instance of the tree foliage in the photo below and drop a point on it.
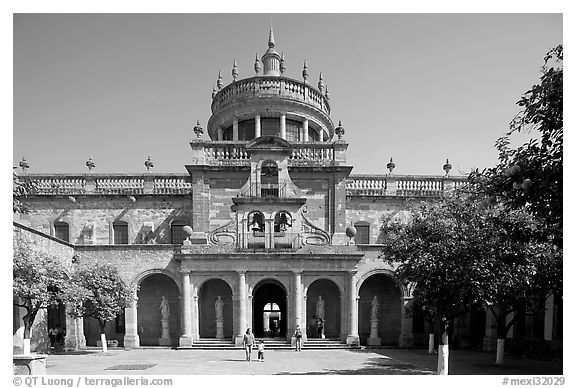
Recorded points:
(530, 176)
(38, 280)
(99, 292)
(21, 188)
(460, 254)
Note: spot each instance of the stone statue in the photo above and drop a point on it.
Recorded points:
(375, 308)
(164, 308)
(320, 307)
(218, 306)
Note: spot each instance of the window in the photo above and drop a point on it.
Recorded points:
(61, 231)
(177, 232)
(120, 229)
(313, 135)
(270, 126)
(246, 129)
(293, 129)
(362, 232)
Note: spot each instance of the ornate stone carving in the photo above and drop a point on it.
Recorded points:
(224, 235)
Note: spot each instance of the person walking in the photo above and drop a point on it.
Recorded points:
(248, 342)
(298, 335)
(261, 351)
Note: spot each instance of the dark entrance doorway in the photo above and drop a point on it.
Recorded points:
(269, 310)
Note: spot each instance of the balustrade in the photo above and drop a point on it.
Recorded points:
(404, 186)
(282, 87)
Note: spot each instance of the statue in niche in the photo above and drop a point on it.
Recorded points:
(219, 306)
(375, 312)
(164, 308)
(320, 307)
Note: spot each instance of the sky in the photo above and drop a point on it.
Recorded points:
(420, 88)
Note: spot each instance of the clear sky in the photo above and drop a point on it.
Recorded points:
(416, 87)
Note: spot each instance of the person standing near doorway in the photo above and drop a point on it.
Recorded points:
(298, 335)
(248, 342)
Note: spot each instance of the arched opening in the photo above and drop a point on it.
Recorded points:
(255, 236)
(56, 323)
(269, 310)
(323, 309)
(151, 317)
(388, 296)
(269, 179)
(215, 306)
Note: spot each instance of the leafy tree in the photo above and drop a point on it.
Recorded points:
(432, 251)
(530, 176)
(21, 188)
(100, 293)
(460, 254)
(39, 281)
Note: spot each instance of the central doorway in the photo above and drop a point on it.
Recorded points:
(269, 310)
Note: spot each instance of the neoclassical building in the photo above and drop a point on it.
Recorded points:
(266, 228)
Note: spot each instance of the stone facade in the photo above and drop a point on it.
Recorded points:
(268, 199)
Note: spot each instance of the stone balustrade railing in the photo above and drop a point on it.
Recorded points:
(285, 88)
(403, 185)
(235, 153)
(110, 184)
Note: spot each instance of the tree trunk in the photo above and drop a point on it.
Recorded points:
(500, 351)
(431, 343)
(103, 335)
(28, 320)
(443, 349)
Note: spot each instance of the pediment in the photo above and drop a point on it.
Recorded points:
(268, 143)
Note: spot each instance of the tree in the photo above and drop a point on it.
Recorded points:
(459, 254)
(433, 252)
(530, 176)
(100, 293)
(39, 281)
(21, 188)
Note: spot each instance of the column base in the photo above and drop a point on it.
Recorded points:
(406, 341)
(185, 341)
(353, 340)
(131, 341)
(374, 341)
(164, 341)
(70, 342)
(238, 340)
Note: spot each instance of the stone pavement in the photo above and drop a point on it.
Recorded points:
(286, 362)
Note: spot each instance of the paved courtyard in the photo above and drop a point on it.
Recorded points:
(287, 362)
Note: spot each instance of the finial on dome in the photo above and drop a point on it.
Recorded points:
(321, 84)
(234, 71)
(271, 38)
(305, 72)
(339, 130)
(24, 165)
(257, 65)
(282, 64)
(219, 81)
(327, 95)
(148, 163)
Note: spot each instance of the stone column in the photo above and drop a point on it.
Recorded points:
(321, 134)
(220, 134)
(195, 315)
(131, 337)
(297, 307)
(186, 337)
(353, 338)
(74, 332)
(549, 318)
(235, 129)
(257, 127)
(305, 130)
(304, 324)
(406, 339)
(241, 328)
(283, 127)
